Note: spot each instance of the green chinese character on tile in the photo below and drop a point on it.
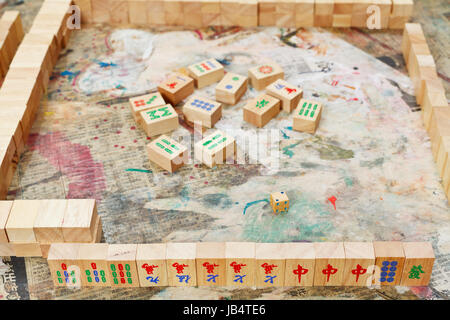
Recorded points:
(415, 272)
(262, 103)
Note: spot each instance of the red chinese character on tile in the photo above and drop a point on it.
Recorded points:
(300, 271)
(172, 85)
(149, 268)
(268, 267)
(329, 271)
(289, 90)
(210, 267)
(237, 266)
(358, 271)
(179, 267)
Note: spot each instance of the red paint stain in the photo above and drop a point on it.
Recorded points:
(86, 176)
(333, 199)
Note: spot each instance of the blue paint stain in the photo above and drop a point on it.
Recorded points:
(69, 74)
(287, 150)
(288, 128)
(248, 205)
(184, 193)
(106, 64)
(224, 62)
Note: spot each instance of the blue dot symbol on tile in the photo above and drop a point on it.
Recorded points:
(385, 263)
(390, 279)
(228, 86)
(394, 263)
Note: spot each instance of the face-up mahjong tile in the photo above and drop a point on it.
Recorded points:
(148, 101)
(215, 149)
(261, 110)
(307, 116)
(231, 88)
(206, 72)
(287, 93)
(263, 75)
(200, 109)
(167, 153)
(159, 120)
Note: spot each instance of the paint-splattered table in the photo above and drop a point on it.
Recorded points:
(366, 174)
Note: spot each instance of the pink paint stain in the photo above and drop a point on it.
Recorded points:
(86, 177)
(333, 199)
(422, 292)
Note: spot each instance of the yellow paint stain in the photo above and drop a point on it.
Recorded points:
(49, 113)
(183, 71)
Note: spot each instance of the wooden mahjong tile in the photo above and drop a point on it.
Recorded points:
(307, 116)
(205, 111)
(159, 120)
(141, 103)
(210, 260)
(261, 110)
(287, 93)
(390, 259)
(240, 263)
(263, 75)
(206, 72)
(152, 265)
(215, 149)
(63, 264)
(231, 88)
(181, 266)
(176, 88)
(94, 268)
(167, 153)
(122, 265)
(419, 260)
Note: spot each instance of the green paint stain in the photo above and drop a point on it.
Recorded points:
(371, 164)
(348, 181)
(287, 150)
(138, 170)
(329, 151)
(307, 219)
